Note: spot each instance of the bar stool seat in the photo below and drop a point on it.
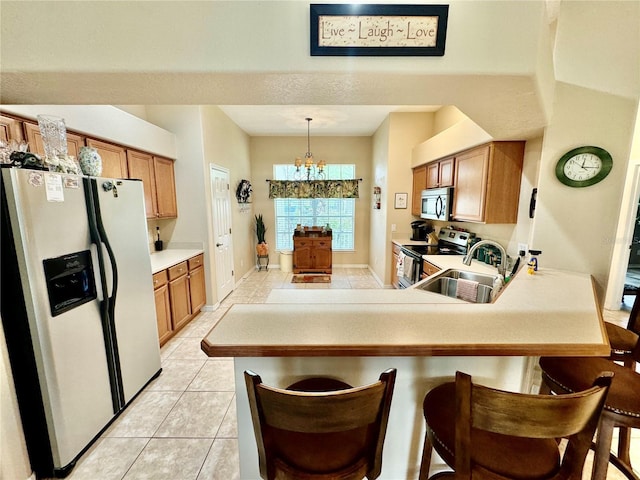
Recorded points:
(622, 407)
(624, 340)
(529, 458)
(490, 434)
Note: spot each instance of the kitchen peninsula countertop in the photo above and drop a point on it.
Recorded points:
(168, 258)
(553, 312)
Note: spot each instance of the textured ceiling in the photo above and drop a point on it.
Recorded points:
(334, 120)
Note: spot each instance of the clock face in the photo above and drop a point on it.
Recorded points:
(583, 166)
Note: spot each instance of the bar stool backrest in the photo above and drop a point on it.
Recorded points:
(573, 416)
(337, 434)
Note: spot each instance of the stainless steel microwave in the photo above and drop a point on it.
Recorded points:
(436, 203)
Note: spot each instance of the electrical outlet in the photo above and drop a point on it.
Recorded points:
(523, 247)
(393, 227)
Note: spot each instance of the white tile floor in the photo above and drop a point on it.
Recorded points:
(182, 426)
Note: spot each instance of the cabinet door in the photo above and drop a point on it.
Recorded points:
(445, 172)
(10, 129)
(433, 175)
(180, 305)
(302, 254)
(197, 289)
(163, 313)
(114, 158)
(469, 198)
(32, 133)
(322, 257)
(165, 187)
(140, 166)
(419, 184)
(395, 252)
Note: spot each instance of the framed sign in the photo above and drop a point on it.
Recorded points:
(401, 200)
(378, 30)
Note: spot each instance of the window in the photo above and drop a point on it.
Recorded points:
(339, 213)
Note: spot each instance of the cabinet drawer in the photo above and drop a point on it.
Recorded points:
(396, 249)
(196, 261)
(429, 268)
(177, 270)
(301, 242)
(160, 279)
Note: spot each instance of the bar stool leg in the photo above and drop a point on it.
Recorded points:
(426, 458)
(604, 437)
(624, 445)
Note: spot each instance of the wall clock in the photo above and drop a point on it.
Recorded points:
(584, 166)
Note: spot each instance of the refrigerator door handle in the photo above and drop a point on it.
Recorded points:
(107, 305)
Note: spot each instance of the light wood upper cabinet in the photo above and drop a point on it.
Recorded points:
(10, 129)
(487, 183)
(114, 158)
(440, 173)
(140, 166)
(36, 145)
(165, 187)
(419, 184)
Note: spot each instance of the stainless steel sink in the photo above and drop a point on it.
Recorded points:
(446, 283)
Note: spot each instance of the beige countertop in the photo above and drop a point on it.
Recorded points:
(550, 313)
(168, 258)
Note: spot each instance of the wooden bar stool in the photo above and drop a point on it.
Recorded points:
(320, 435)
(623, 340)
(484, 433)
(622, 408)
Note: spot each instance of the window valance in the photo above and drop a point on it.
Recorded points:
(314, 188)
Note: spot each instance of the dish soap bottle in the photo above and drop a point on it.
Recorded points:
(533, 262)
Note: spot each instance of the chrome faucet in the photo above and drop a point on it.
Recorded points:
(502, 268)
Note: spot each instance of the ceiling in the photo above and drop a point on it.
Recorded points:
(327, 120)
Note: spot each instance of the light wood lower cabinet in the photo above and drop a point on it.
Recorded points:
(197, 288)
(395, 253)
(180, 293)
(429, 269)
(163, 306)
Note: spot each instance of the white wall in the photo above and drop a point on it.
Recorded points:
(204, 136)
(572, 225)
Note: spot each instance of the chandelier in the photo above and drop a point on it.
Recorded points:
(313, 171)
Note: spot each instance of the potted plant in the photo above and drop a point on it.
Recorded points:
(261, 248)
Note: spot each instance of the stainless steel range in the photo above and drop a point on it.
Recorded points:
(453, 242)
(450, 242)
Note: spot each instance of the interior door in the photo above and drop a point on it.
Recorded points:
(221, 211)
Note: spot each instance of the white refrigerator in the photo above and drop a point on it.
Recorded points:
(77, 307)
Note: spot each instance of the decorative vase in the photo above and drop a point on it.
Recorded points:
(54, 136)
(90, 161)
(262, 249)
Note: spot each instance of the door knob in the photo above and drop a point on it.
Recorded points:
(219, 244)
